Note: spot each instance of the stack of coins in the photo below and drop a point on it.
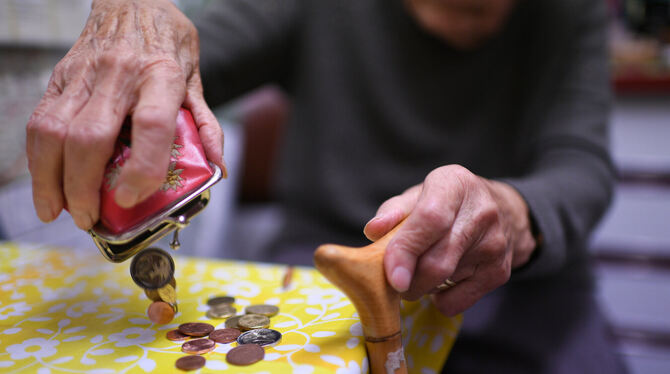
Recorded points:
(201, 338)
(221, 307)
(153, 270)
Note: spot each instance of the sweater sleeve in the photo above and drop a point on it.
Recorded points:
(244, 44)
(568, 178)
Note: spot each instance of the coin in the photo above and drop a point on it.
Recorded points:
(253, 321)
(231, 323)
(188, 363)
(160, 312)
(152, 268)
(224, 336)
(221, 311)
(221, 300)
(167, 294)
(245, 354)
(152, 294)
(176, 335)
(261, 337)
(266, 310)
(196, 328)
(198, 346)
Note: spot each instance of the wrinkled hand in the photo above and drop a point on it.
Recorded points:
(458, 226)
(134, 57)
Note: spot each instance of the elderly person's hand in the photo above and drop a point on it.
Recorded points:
(134, 57)
(458, 226)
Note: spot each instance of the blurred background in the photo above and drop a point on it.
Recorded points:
(631, 247)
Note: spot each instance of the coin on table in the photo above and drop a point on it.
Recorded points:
(225, 336)
(261, 337)
(176, 335)
(160, 312)
(221, 300)
(231, 323)
(245, 354)
(188, 363)
(198, 346)
(195, 328)
(253, 321)
(266, 310)
(152, 268)
(221, 311)
(167, 294)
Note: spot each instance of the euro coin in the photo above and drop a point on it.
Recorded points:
(231, 323)
(218, 300)
(152, 268)
(253, 321)
(225, 336)
(221, 311)
(245, 354)
(152, 294)
(262, 337)
(266, 310)
(196, 328)
(188, 363)
(198, 346)
(160, 312)
(167, 294)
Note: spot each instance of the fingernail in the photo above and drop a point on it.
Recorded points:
(82, 220)
(126, 196)
(400, 279)
(44, 210)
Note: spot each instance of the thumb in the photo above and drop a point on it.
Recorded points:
(391, 212)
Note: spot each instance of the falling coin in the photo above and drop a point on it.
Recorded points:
(245, 354)
(198, 346)
(160, 312)
(152, 294)
(221, 300)
(221, 311)
(176, 335)
(167, 294)
(266, 310)
(261, 337)
(231, 323)
(152, 268)
(196, 328)
(224, 336)
(188, 363)
(253, 321)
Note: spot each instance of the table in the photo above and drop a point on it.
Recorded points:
(67, 311)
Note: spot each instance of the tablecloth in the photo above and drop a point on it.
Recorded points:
(66, 311)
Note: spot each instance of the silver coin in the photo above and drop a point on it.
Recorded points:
(262, 337)
(221, 311)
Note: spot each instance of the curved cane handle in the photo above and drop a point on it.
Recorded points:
(359, 273)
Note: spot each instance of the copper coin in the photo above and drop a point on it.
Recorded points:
(198, 346)
(152, 268)
(245, 354)
(160, 312)
(188, 363)
(176, 335)
(225, 335)
(263, 309)
(253, 321)
(196, 328)
(221, 300)
(231, 323)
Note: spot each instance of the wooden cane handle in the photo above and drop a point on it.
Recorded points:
(359, 273)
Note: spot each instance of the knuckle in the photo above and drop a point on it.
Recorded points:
(118, 58)
(50, 127)
(431, 212)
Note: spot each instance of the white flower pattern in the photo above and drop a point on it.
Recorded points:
(26, 349)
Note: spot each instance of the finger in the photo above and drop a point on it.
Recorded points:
(428, 222)
(46, 131)
(211, 135)
(391, 212)
(90, 144)
(153, 127)
(447, 258)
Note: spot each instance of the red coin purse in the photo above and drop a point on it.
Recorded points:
(121, 232)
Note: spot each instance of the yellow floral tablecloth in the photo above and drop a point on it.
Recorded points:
(65, 311)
